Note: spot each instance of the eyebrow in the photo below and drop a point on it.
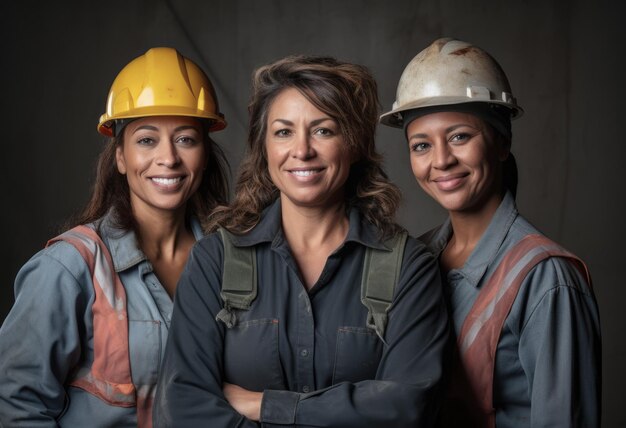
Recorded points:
(448, 129)
(313, 122)
(177, 129)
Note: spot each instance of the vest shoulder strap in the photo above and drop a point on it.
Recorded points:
(109, 376)
(381, 271)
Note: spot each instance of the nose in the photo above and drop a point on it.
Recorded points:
(442, 156)
(302, 148)
(167, 155)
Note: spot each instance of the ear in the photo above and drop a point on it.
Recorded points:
(119, 160)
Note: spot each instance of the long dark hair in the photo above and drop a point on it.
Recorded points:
(347, 93)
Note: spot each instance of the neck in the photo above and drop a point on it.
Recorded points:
(467, 229)
(469, 226)
(314, 227)
(160, 234)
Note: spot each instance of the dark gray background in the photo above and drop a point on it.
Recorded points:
(563, 60)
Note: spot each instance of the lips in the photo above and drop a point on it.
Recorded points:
(168, 184)
(305, 172)
(165, 181)
(449, 182)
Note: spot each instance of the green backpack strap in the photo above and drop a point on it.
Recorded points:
(239, 279)
(381, 271)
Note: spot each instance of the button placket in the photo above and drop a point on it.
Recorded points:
(306, 337)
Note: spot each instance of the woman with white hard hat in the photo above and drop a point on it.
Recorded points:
(82, 345)
(525, 317)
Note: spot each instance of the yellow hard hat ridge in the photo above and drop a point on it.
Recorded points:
(161, 82)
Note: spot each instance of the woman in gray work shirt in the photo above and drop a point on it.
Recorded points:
(82, 345)
(310, 199)
(524, 314)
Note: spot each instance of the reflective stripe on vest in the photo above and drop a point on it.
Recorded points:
(478, 340)
(109, 376)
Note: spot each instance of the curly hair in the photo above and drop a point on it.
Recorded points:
(111, 189)
(347, 93)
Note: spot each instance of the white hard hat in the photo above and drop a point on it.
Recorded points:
(450, 72)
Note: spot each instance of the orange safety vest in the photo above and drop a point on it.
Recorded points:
(109, 377)
(471, 395)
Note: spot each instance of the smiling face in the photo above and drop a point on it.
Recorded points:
(163, 158)
(457, 159)
(308, 159)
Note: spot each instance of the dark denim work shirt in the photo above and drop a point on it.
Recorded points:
(310, 352)
(548, 362)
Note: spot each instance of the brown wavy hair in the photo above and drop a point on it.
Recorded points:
(347, 93)
(111, 189)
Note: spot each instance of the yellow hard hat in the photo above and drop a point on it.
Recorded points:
(161, 82)
(450, 72)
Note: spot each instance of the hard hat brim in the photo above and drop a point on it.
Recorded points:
(394, 117)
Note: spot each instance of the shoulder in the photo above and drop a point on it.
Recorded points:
(205, 260)
(436, 238)
(60, 255)
(419, 266)
(560, 268)
(416, 247)
(209, 246)
(55, 272)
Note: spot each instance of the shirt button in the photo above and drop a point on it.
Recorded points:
(304, 352)
(305, 388)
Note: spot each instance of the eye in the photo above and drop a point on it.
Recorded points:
(185, 140)
(420, 147)
(460, 137)
(282, 133)
(324, 132)
(145, 141)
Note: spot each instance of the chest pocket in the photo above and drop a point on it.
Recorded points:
(251, 357)
(145, 346)
(357, 354)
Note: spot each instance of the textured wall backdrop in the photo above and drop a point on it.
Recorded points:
(562, 58)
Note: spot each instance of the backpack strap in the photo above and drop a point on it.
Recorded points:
(239, 279)
(480, 333)
(381, 271)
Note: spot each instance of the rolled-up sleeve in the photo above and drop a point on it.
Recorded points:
(40, 338)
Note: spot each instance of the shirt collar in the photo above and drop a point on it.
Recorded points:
(123, 244)
(489, 244)
(269, 229)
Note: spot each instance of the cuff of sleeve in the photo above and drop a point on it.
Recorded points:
(279, 407)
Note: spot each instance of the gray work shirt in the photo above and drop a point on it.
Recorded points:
(49, 331)
(548, 362)
(310, 352)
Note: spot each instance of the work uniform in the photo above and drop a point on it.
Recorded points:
(49, 334)
(309, 352)
(548, 362)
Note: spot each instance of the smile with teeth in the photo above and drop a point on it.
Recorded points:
(305, 173)
(166, 181)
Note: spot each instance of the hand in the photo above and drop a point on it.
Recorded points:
(247, 403)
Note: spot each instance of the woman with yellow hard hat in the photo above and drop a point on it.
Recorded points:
(525, 317)
(83, 342)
